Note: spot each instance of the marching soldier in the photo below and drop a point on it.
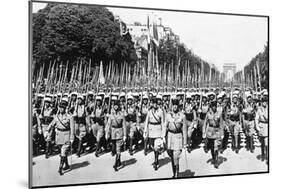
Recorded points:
(202, 112)
(131, 121)
(98, 122)
(64, 126)
(117, 128)
(141, 120)
(234, 123)
(213, 131)
(248, 118)
(261, 120)
(79, 115)
(154, 130)
(36, 130)
(190, 115)
(46, 118)
(175, 124)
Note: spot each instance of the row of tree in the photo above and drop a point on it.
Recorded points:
(256, 73)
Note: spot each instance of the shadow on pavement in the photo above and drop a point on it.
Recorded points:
(78, 165)
(164, 161)
(187, 173)
(221, 159)
(127, 163)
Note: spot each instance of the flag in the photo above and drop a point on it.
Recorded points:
(101, 76)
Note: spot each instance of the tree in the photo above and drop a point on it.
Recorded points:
(66, 32)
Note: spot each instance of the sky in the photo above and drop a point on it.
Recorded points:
(217, 39)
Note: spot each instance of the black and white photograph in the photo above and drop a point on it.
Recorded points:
(126, 94)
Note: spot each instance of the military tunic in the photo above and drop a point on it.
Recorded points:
(190, 115)
(64, 126)
(117, 127)
(46, 119)
(80, 121)
(98, 122)
(234, 120)
(249, 120)
(262, 121)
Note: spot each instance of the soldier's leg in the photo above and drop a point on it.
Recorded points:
(170, 154)
(217, 143)
(99, 136)
(131, 137)
(190, 129)
(262, 148)
(176, 155)
(266, 148)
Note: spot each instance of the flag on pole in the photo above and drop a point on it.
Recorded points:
(101, 76)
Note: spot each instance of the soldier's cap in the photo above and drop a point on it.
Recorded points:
(98, 97)
(166, 94)
(145, 97)
(40, 95)
(65, 94)
(90, 93)
(122, 95)
(180, 94)
(47, 99)
(80, 96)
(114, 98)
(159, 97)
(234, 96)
(188, 96)
(49, 95)
(265, 92)
(74, 93)
(130, 97)
(106, 96)
(211, 94)
(84, 94)
(220, 96)
(59, 94)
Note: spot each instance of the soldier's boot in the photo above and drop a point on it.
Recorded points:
(247, 143)
(79, 148)
(47, 151)
(119, 160)
(189, 145)
(66, 167)
(177, 167)
(97, 150)
(115, 166)
(113, 149)
(145, 147)
(156, 162)
(266, 154)
(216, 164)
(61, 165)
(251, 141)
(131, 146)
(205, 145)
(233, 143)
(213, 156)
(173, 168)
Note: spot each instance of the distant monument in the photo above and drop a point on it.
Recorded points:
(229, 69)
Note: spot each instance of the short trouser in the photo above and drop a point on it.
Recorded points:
(175, 155)
(98, 131)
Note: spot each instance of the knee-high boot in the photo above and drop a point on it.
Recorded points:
(66, 163)
(155, 164)
(116, 163)
(189, 144)
(251, 144)
(113, 148)
(216, 159)
(61, 165)
(131, 146)
(98, 149)
(145, 146)
(79, 148)
(177, 167)
(213, 156)
(47, 151)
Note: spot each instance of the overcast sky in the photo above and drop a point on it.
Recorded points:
(217, 39)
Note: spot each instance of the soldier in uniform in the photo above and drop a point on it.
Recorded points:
(117, 128)
(46, 118)
(98, 122)
(261, 120)
(141, 120)
(131, 121)
(36, 130)
(64, 126)
(248, 118)
(190, 115)
(175, 124)
(234, 123)
(154, 130)
(79, 115)
(202, 112)
(213, 131)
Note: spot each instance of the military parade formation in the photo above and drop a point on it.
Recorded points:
(120, 120)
